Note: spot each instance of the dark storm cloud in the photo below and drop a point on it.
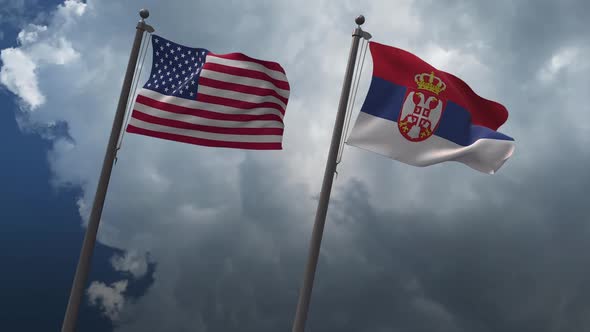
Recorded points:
(518, 34)
(514, 265)
(509, 259)
(243, 275)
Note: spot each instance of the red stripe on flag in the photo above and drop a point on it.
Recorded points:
(237, 103)
(210, 129)
(241, 88)
(207, 114)
(242, 57)
(205, 142)
(246, 73)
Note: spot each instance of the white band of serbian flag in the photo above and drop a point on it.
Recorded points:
(218, 100)
(422, 116)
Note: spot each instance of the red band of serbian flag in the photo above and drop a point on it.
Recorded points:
(218, 100)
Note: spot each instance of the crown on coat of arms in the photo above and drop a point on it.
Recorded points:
(430, 82)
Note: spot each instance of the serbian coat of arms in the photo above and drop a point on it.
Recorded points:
(422, 108)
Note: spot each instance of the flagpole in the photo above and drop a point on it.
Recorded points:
(84, 262)
(320, 218)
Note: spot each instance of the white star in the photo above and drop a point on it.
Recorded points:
(157, 53)
(175, 58)
(161, 48)
(166, 89)
(174, 69)
(157, 86)
(156, 40)
(177, 76)
(149, 84)
(161, 60)
(156, 65)
(165, 67)
(179, 65)
(174, 87)
(171, 51)
(183, 72)
(185, 62)
(167, 73)
(154, 76)
(179, 82)
(193, 58)
(182, 55)
(193, 82)
(166, 55)
(192, 94)
(178, 48)
(161, 76)
(160, 71)
(167, 44)
(170, 79)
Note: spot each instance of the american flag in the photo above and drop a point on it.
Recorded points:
(219, 100)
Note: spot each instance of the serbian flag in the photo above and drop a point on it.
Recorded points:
(419, 115)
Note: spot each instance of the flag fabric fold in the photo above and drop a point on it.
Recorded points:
(218, 100)
(419, 115)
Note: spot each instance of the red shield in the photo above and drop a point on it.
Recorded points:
(420, 115)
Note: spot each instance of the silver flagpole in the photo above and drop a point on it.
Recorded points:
(320, 218)
(83, 268)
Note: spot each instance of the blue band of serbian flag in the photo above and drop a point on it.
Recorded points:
(218, 100)
(422, 116)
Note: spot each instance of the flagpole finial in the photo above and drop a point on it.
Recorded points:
(144, 13)
(360, 20)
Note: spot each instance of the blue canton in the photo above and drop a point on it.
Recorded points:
(175, 68)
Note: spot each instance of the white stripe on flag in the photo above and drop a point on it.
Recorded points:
(246, 65)
(254, 82)
(206, 135)
(187, 118)
(198, 105)
(240, 96)
(381, 136)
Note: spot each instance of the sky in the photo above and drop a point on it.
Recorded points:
(40, 226)
(202, 239)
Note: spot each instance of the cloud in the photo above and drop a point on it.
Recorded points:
(561, 60)
(131, 262)
(39, 48)
(442, 248)
(108, 298)
(30, 34)
(18, 75)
